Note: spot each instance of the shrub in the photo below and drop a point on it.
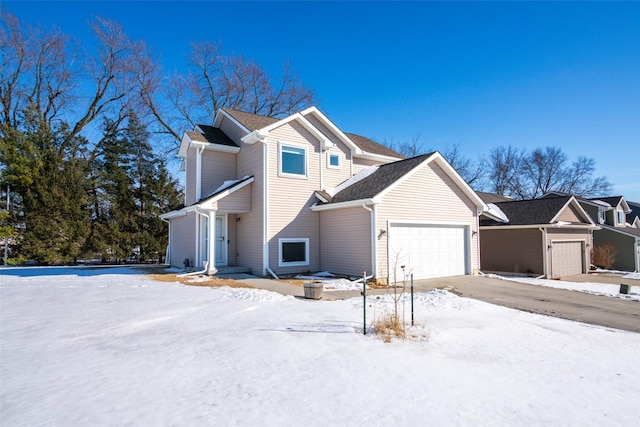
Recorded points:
(603, 256)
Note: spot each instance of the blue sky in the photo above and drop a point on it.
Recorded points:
(470, 73)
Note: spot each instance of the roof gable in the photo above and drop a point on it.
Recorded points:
(542, 211)
(379, 180)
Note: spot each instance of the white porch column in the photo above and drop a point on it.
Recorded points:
(211, 266)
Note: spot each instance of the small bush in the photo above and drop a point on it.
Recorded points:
(389, 326)
(603, 256)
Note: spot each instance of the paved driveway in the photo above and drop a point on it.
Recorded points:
(594, 309)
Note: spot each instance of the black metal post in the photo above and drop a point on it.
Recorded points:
(364, 303)
(411, 299)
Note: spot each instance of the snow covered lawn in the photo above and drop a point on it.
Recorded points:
(113, 347)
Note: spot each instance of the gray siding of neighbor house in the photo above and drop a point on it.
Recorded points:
(624, 245)
(512, 250)
(290, 198)
(217, 167)
(428, 196)
(591, 210)
(183, 234)
(346, 241)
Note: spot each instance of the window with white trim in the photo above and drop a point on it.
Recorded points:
(293, 160)
(293, 252)
(600, 217)
(621, 219)
(333, 160)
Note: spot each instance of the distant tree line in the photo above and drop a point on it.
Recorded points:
(85, 135)
(521, 174)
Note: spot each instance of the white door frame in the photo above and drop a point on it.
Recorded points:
(222, 255)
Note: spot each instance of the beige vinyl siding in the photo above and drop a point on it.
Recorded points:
(182, 239)
(331, 177)
(233, 131)
(346, 241)
(290, 198)
(564, 235)
(232, 239)
(512, 250)
(569, 214)
(217, 168)
(428, 196)
(360, 164)
(239, 201)
(624, 246)
(250, 230)
(190, 178)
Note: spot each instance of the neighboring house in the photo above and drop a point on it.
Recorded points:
(633, 218)
(298, 194)
(550, 237)
(612, 214)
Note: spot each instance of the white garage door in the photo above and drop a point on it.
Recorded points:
(566, 259)
(426, 251)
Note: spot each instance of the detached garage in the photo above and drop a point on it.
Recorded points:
(546, 237)
(419, 213)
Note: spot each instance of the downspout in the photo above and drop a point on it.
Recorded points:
(374, 246)
(545, 258)
(265, 211)
(199, 174)
(167, 253)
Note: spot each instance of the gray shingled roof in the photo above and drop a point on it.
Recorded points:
(211, 135)
(635, 212)
(493, 197)
(255, 122)
(613, 201)
(382, 178)
(530, 212)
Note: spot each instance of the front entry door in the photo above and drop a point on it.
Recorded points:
(221, 240)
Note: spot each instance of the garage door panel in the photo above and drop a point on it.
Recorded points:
(567, 258)
(426, 251)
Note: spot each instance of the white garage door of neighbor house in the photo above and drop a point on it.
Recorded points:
(566, 259)
(426, 251)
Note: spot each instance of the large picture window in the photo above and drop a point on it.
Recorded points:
(293, 160)
(293, 252)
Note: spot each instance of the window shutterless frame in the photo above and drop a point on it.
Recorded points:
(293, 252)
(292, 160)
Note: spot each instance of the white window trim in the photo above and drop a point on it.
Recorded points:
(329, 165)
(601, 217)
(621, 218)
(292, 240)
(306, 160)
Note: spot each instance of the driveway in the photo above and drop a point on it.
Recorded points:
(572, 305)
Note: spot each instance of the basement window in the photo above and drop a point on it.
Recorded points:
(293, 252)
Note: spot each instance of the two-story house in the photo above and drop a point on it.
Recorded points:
(611, 213)
(298, 194)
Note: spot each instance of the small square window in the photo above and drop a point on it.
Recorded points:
(293, 160)
(293, 252)
(334, 161)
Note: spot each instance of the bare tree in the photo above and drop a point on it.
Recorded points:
(47, 73)
(214, 80)
(521, 175)
(472, 171)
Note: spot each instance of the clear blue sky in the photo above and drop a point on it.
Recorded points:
(470, 73)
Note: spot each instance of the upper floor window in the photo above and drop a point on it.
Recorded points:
(333, 161)
(620, 217)
(600, 217)
(293, 160)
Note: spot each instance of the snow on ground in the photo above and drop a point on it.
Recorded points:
(329, 283)
(111, 347)
(605, 289)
